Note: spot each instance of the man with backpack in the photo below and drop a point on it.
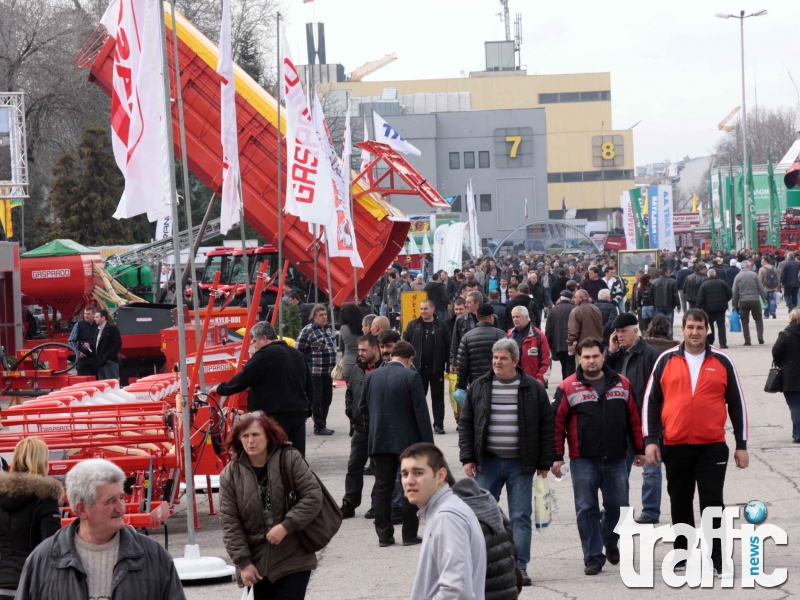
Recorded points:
(769, 277)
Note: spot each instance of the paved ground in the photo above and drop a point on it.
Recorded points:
(353, 567)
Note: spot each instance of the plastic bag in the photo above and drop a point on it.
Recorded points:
(735, 321)
(541, 502)
(452, 379)
(247, 593)
(763, 303)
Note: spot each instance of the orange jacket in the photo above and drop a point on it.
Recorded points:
(682, 417)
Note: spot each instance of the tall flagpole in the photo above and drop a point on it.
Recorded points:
(309, 85)
(184, 395)
(245, 262)
(187, 193)
(349, 199)
(280, 176)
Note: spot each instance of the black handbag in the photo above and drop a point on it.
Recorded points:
(774, 380)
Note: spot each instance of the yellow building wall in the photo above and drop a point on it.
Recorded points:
(570, 125)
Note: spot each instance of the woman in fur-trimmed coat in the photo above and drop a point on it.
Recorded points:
(28, 515)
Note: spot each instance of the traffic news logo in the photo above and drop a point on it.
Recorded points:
(699, 568)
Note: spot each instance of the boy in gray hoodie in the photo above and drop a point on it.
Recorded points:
(452, 559)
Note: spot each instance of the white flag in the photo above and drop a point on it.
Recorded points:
(229, 130)
(628, 223)
(385, 134)
(342, 242)
(365, 156)
(138, 116)
(164, 228)
(472, 214)
(309, 189)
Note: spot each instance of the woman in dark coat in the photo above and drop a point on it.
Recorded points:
(643, 301)
(259, 534)
(786, 354)
(28, 509)
(350, 330)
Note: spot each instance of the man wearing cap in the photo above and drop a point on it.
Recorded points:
(632, 357)
(475, 348)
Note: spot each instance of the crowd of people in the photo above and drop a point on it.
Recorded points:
(495, 327)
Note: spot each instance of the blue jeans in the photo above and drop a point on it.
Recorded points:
(793, 400)
(667, 312)
(772, 306)
(495, 472)
(651, 490)
(590, 475)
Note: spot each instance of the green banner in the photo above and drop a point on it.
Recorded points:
(774, 224)
(721, 213)
(752, 225)
(711, 209)
(636, 206)
(728, 208)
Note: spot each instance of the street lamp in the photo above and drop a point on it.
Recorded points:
(746, 200)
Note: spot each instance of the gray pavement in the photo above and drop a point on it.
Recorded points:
(354, 567)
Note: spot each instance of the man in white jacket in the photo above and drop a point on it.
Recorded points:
(452, 560)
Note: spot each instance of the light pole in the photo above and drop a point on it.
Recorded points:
(746, 200)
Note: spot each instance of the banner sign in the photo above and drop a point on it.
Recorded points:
(666, 232)
(653, 215)
(628, 220)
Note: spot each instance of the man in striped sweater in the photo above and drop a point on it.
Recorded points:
(506, 436)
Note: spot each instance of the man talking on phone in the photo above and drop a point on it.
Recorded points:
(632, 357)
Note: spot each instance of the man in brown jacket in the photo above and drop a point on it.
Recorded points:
(585, 321)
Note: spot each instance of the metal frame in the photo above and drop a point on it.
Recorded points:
(548, 221)
(18, 186)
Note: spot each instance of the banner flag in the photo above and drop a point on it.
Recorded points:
(340, 223)
(628, 220)
(653, 216)
(636, 204)
(711, 207)
(426, 245)
(309, 186)
(774, 231)
(453, 247)
(526, 208)
(439, 242)
(750, 204)
(365, 156)
(729, 207)
(164, 228)
(386, 134)
(472, 215)
(229, 129)
(666, 213)
(138, 116)
(721, 213)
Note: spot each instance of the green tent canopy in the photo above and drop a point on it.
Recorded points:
(58, 248)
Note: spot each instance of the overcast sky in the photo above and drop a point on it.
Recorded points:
(674, 66)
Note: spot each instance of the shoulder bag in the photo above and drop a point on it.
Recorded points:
(774, 380)
(317, 534)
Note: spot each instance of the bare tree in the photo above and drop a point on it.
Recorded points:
(768, 130)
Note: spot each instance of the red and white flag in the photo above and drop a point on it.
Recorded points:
(138, 116)
(309, 189)
(342, 240)
(229, 129)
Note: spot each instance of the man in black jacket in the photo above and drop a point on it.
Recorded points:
(84, 332)
(506, 436)
(497, 306)
(692, 284)
(731, 272)
(279, 381)
(369, 359)
(106, 347)
(558, 286)
(437, 292)
(790, 280)
(630, 356)
(538, 299)
(398, 417)
(609, 312)
(666, 299)
(463, 324)
(430, 338)
(475, 350)
(713, 297)
(680, 279)
(522, 298)
(556, 331)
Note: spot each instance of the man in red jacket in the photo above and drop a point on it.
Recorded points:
(688, 414)
(596, 413)
(534, 350)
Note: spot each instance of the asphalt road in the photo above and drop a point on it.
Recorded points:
(354, 567)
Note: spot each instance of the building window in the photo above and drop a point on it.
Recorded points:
(483, 159)
(486, 202)
(574, 97)
(548, 98)
(469, 160)
(628, 174)
(573, 177)
(570, 97)
(605, 95)
(612, 175)
(455, 162)
(456, 205)
(590, 96)
(554, 178)
(592, 175)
